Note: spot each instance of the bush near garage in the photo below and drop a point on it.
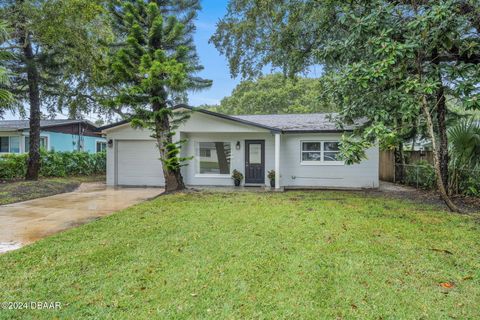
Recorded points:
(54, 164)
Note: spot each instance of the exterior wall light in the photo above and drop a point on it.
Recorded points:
(110, 143)
(237, 146)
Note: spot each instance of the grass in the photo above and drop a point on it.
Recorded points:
(11, 192)
(293, 255)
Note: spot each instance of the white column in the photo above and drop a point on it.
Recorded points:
(277, 160)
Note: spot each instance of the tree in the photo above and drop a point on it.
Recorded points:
(6, 97)
(153, 64)
(50, 47)
(393, 62)
(465, 143)
(276, 94)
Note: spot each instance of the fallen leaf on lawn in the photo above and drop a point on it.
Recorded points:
(468, 278)
(447, 285)
(194, 294)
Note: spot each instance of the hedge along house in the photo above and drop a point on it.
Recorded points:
(55, 135)
(303, 150)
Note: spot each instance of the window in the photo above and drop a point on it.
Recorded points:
(213, 158)
(4, 144)
(311, 151)
(321, 152)
(101, 146)
(43, 143)
(10, 144)
(14, 144)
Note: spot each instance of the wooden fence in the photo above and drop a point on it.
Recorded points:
(387, 162)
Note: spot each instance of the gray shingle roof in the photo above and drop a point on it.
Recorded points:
(14, 125)
(297, 122)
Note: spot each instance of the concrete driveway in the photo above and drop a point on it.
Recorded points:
(25, 222)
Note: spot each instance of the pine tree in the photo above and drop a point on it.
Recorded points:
(49, 43)
(152, 68)
(6, 97)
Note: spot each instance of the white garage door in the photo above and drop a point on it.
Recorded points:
(138, 164)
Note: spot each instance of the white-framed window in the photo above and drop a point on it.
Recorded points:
(10, 144)
(43, 143)
(320, 153)
(101, 146)
(213, 158)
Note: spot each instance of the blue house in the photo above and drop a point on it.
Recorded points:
(56, 135)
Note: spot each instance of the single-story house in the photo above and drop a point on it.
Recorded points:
(303, 150)
(55, 135)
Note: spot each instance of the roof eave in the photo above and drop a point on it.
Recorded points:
(61, 124)
(112, 125)
(215, 114)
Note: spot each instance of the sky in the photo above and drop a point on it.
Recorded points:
(216, 66)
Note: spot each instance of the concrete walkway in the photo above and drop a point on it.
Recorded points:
(25, 222)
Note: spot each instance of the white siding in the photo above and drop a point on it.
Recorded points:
(294, 174)
(200, 122)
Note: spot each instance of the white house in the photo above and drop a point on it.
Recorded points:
(301, 148)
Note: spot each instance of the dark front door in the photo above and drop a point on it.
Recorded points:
(254, 161)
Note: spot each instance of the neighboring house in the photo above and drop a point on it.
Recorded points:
(303, 149)
(56, 135)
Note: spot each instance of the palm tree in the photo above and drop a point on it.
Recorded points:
(465, 152)
(465, 143)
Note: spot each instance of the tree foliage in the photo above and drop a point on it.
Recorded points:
(393, 62)
(272, 94)
(51, 44)
(153, 64)
(6, 97)
(65, 37)
(465, 144)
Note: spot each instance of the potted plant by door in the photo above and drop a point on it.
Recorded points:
(237, 177)
(271, 177)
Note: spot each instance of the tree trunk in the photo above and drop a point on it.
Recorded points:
(399, 163)
(33, 168)
(436, 159)
(173, 176)
(222, 158)
(442, 135)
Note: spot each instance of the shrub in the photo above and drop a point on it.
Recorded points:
(421, 174)
(465, 181)
(13, 166)
(54, 164)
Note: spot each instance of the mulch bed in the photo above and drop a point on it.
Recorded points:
(469, 204)
(12, 192)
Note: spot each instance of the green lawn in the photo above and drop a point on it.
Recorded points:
(11, 192)
(293, 255)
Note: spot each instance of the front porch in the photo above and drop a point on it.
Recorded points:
(216, 155)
